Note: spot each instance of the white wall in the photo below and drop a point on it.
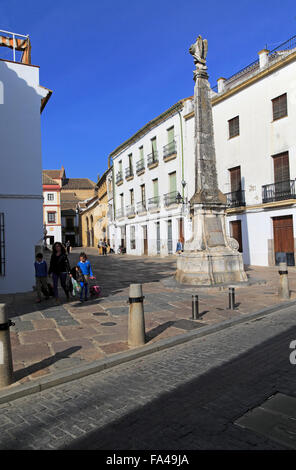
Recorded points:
(21, 172)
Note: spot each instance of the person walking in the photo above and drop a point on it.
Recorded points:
(100, 247)
(59, 268)
(41, 277)
(84, 273)
(179, 248)
(68, 246)
(104, 246)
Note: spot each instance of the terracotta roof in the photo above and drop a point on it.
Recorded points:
(47, 180)
(69, 201)
(78, 183)
(54, 173)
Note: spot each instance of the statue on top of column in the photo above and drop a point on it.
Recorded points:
(199, 52)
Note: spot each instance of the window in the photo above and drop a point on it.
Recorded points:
(133, 237)
(141, 152)
(154, 145)
(233, 125)
(173, 182)
(143, 194)
(279, 107)
(171, 134)
(235, 179)
(131, 197)
(281, 167)
(50, 196)
(2, 245)
(130, 162)
(155, 187)
(51, 217)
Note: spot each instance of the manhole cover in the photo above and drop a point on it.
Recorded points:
(108, 323)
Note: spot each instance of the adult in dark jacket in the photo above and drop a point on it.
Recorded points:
(59, 268)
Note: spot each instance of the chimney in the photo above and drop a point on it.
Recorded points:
(263, 58)
(221, 84)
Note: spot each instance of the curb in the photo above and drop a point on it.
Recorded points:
(75, 373)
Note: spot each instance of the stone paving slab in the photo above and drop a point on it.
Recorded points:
(46, 334)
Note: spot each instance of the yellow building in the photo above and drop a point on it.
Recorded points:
(93, 215)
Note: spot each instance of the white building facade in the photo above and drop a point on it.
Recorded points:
(21, 200)
(150, 175)
(51, 210)
(254, 115)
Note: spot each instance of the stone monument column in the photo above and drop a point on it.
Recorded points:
(209, 257)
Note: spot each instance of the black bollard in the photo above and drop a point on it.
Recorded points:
(195, 311)
(231, 296)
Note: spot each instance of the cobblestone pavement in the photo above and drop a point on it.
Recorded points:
(186, 397)
(48, 337)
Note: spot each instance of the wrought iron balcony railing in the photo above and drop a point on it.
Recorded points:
(278, 191)
(119, 177)
(140, 165)
(129, 172)
(120, 213)
(154, 203)
(236, 198)
(169, 149)
(170, 198)
(152, 158)
(130, 210)
(141, 207)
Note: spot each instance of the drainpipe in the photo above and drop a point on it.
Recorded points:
(182, 151)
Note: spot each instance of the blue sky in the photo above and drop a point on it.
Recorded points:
(115, 65)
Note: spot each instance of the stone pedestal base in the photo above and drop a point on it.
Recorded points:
(208, 267)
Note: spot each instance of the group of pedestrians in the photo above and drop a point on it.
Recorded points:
(103, 248)
(60, 270)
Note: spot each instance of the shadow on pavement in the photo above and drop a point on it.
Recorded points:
(48, 361)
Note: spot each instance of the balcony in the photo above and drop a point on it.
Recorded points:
(119, 178)
(130, 211)
(170, 151)
(278, 191)
(141, 207)
(154, 203)
(235, 199)
(129, 173)
(170, 199)
(140, 167)
(152, 160)
(120, 213)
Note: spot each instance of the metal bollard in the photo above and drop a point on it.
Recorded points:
(6, 367)
(231, 296)
(136, 320)
(195, 311)
(284, 291)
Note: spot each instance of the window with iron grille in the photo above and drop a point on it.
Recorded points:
(50, 196)
(233, 125)
(279, 107)
(2, 245)
(51, 217)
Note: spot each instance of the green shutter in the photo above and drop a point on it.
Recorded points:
(173, 182)
(171, 135)
(155, 188)
(141, 153)
(154, 149)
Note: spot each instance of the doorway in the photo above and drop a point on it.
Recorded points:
(283, 240)
(145, 239)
